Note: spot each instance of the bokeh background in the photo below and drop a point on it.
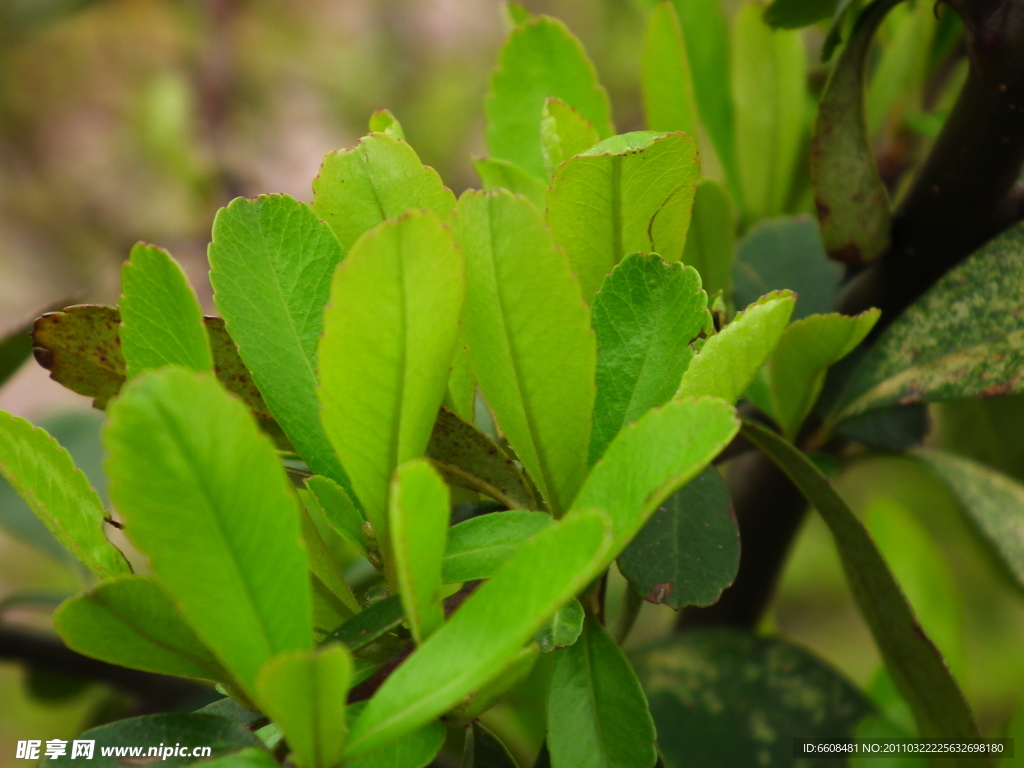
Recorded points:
(127, 120)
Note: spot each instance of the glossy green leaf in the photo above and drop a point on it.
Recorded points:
(963, 338)
(529, 339)
(689, 551)
(645, 316)
(271, 262)
(252, 757)
(711, 240)
(564, 132)
(992, 501)
(45, 477)
(807, 349)
(706, 33)
(768, 88)
(161, 321)
(15, 349)
(654, 456)
(787, 253)
(669, 101)
(418, 514)
(304, 692)
(468, 458)
(479, 546)
(916, 666)
(597, 712)
(129, 621)
(379, 178)
(852, 202)
(478, 641)
(382, 121)
(794, 14)
(503, 174)
(389, 337)
(169, 730)
(370, 625)
(724, 697)
(484, 750)
(730, 359)
(628, 193)
(540, 59)
(329, 585)
(563, 629)
(339, 511)
(414, 750)
(204, 496)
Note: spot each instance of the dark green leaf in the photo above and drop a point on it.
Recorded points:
(597, 712)
(711, 241)
(916, 666)
(504, 174)
(963, 338)
(271, 262)
(787, 253)
(130, 622)
(667, 85)
(161, 321)
(793, 14)
(992, 501)
(689, 551)
(233, 711)
(629, 193)
(468, 458)
(187, 463)
(171, 729)
(888, 429)
(478, 546)
(244, 758)
(484, 750)
(15, 349)
(853, 204)
(645, 316)
(81, 350)
(563, 629)
(369, 625)
(540, 59)
(720, 697)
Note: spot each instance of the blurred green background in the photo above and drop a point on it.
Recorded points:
(127, 120)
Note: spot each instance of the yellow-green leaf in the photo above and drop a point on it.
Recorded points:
(669, 102)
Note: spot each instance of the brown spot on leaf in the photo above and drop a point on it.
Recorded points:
(997, 390)
(660, 593)
(847, 254)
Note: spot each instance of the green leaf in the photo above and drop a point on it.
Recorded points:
(597, 712)
(370, 625)
(478, 642)
(669, 101)
(564, 132)
(339, 511)
(480, 545)
(235, 712)
(45, 477)
(204, 496)
(382, 121)
(787, 253)
(794, 14)
(81, 349)
(916, 666)
(730, 359)
(414, 750)
(628, 193)
(711, 240)
(706, 33)
(418, 525)
(689, 551)
(807, 349)
(724, 697)
(963, 338)
(161, 321)
(129, 621)
(304, 692)
(379, 178)
(251, 757)
(388, 342)
(169, 730)
(853, 204)
(529, 339)
(992, 501)
(271, 262)
(768, 88)
(484, 750)
(645, 316)
(515, 14)
(231, 371)
(15, 349)
(515, 672)
(892, 429)
(540, 59)
(468, 458)
(503, 174)
(328, 582)
(563, 629)
(652, 457)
